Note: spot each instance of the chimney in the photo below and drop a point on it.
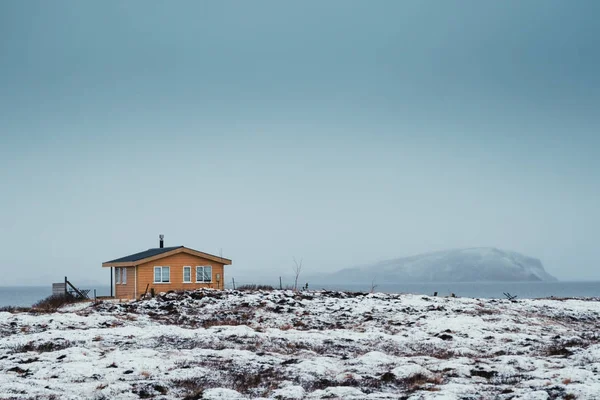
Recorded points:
(161, 237)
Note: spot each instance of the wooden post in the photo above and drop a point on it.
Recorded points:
(79, 293)
(145, 291)
(233, 281)
(280, 286)
(111, 281)
(66, 287)
(95, 299)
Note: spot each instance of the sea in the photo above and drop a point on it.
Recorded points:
(25, 296)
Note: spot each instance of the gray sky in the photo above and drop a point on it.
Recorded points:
(343, 132)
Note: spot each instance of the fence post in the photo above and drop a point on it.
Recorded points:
(280, 286)
(233, 281)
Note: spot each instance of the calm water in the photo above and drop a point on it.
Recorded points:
(26, 296)
(524, 290)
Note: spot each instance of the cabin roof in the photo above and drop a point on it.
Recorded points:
(160, 252)
(144, 254)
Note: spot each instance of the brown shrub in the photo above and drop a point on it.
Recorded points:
(252, 288)
(417, 381)
(54, 302)
(558, 350)
(13, 309)
(207, 323)
(42, 347)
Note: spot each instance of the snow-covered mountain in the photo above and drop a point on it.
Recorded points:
(462, 265)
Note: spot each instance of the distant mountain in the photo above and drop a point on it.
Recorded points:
(463, 265)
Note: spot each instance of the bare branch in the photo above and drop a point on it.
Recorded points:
(373, 286)
(297, 268)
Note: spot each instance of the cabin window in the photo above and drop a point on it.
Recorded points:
(187, 274)
(162, 274)
(121, 276)
(204, 274)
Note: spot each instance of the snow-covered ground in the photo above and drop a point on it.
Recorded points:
(315, 345)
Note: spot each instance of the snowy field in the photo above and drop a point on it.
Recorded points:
(307, 345)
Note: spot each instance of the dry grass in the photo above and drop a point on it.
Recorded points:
(42, 347)
(207, 323)
(563, 349)
(192, 388)
(54, 302)
(13, 309)
(421, 382)
(253, 288)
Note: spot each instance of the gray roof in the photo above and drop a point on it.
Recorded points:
(145, 254)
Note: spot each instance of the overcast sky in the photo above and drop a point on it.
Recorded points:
(343, 132)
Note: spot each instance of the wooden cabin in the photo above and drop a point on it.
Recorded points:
(164, 269)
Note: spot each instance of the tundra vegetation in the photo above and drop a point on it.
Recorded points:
(286, 344)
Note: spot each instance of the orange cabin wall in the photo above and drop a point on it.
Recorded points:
(176, 262)
(126, 291)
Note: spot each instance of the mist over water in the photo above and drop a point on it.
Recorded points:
(492, 290)
(26, 296)
(342, 132)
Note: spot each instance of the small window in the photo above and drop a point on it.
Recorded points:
(124, 277)
(117, 276)
(204, 274)
(162, 274)
(166, 274)
(187, 274)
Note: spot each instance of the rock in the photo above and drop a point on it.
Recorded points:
(464, 265)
